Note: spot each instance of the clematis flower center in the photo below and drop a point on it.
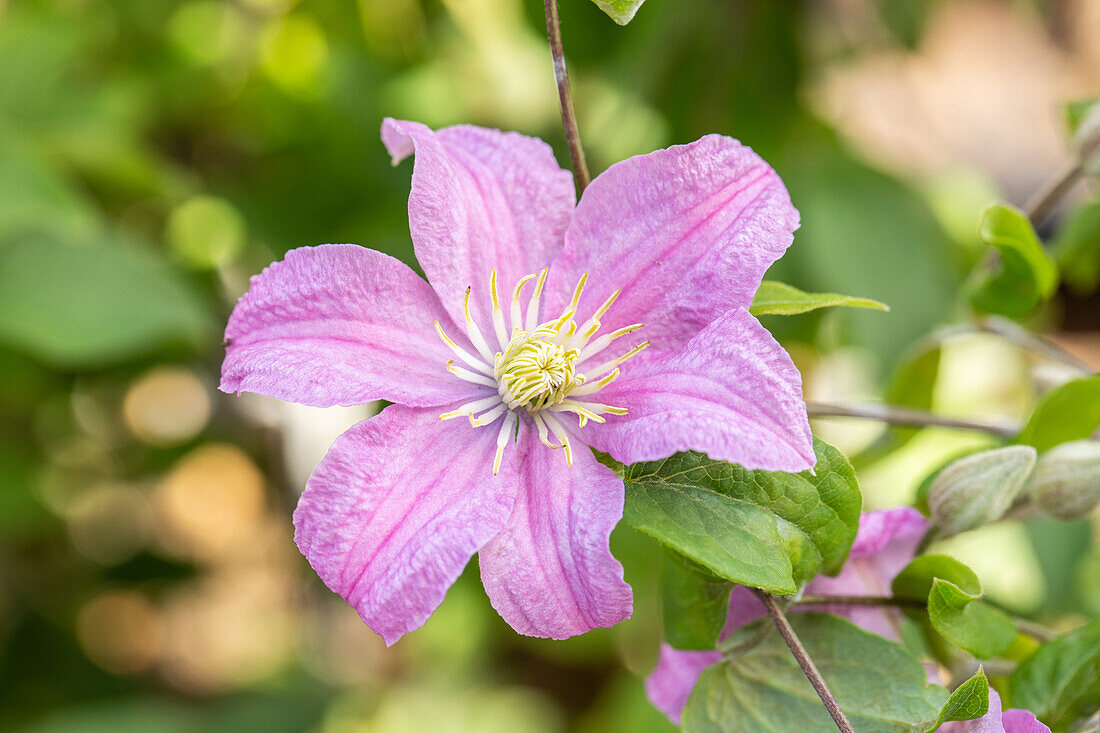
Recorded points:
(535, 370)
(541, 370)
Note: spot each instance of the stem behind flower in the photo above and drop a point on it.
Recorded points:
(568, 118)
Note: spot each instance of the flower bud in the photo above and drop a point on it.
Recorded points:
(1066, 481)
(1086, 142)
(980, 488)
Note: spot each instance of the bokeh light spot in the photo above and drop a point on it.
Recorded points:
(120, 631)
(205, 232)
(166, 406)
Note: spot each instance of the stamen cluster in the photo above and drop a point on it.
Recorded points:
(542, 369)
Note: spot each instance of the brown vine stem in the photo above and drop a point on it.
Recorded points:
(783, 625)
(1016, 334)
(1040, 205)
(823, 600)
(565, 96)
(1038, 631)
(897, 415)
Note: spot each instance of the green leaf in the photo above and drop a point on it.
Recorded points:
(879, 685)
(1069, 412)
(969, 701)
(620, 11)
(953, 592)
(779, 299)
(85, 306)
(1061, 681)
(731, 538)
(1077, 249)
(694, 603)
(1026, 276)
(766, 529)
(35, 196)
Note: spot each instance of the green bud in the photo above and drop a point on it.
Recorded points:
(1066, 481)
(980, 488)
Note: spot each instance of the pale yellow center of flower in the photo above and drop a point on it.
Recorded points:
(534, 370)
(543, 371)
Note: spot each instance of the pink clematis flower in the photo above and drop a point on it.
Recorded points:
(886, 542)
(513, 357)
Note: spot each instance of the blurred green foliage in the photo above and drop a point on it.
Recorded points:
(155, 153)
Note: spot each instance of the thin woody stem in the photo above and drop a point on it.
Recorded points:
(561, 75)
(1015, 334)
(897, 415)
(779, 618)
(1031, 628)
(1044, 200)
(828, 600)
(1033, 342)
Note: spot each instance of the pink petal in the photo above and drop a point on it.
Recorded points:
(887, 540)
(481, 199)
(1022, 721)
(745, 608)
(671, 682)
(340, 324)
(891, 537)
(732, 392)
(396, 509)
(550, 572)
(686, 233)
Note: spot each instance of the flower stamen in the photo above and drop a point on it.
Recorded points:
(540, 368)
(609, 365)
(469, 376)
(533, 305)
(476, 338)
(466, 356)
(603, 342)
(498, 312)
(506, 429)
(471, 408)
(516, 311)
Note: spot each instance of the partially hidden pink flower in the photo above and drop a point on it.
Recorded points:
(529, 333)
(995, 721)
(885, 543)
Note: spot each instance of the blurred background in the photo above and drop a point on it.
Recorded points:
(156, 153)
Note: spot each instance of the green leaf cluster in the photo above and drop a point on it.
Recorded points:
(764, 529)
(1061, 681)
(878, 684)
(1069, 412)
(1025, 275)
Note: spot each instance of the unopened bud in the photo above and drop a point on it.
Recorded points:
(1086, 143)
(980, 488)
(1066, 481)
